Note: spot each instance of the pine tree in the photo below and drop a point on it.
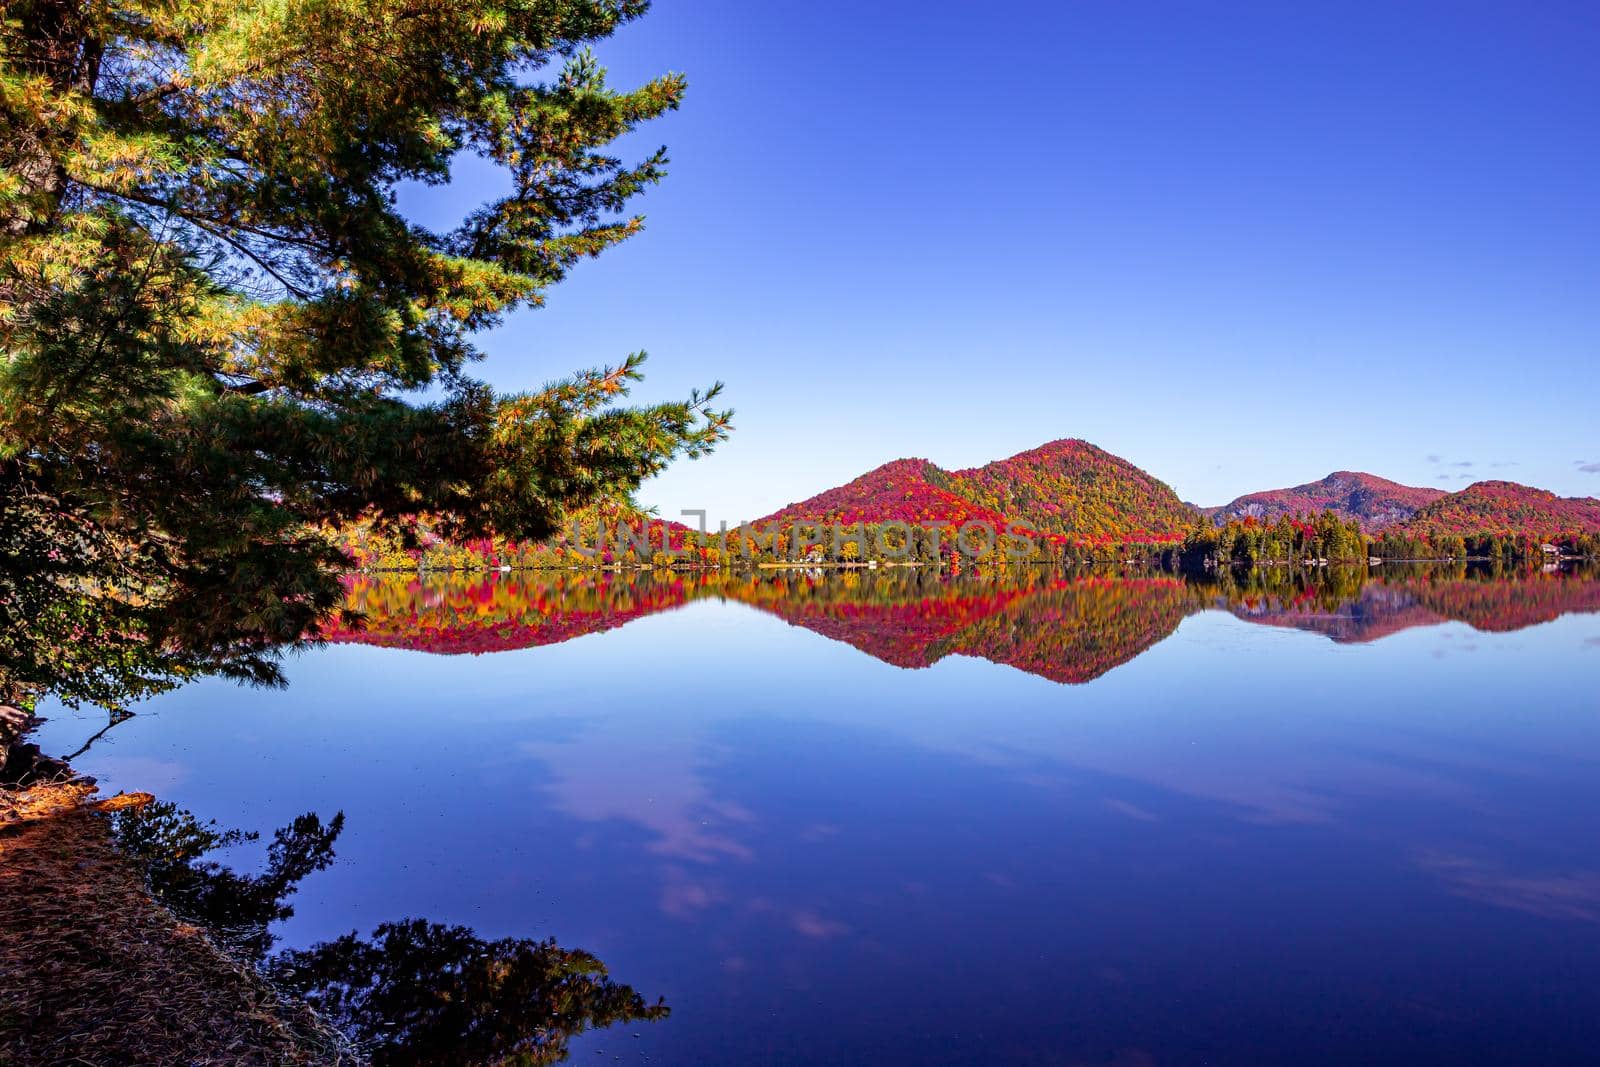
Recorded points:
(219, 333)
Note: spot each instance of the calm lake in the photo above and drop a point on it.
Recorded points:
(896, 817)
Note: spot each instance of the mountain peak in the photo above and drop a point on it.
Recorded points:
(1067, 487)
(902, 490)
(1352, 495)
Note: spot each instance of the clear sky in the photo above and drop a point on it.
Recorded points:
(1241, 245)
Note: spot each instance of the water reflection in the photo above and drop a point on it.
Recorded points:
(415, 992)
(1261, 834)
(1068, 627)
(454, 614)
(238, 909)
(424, 993)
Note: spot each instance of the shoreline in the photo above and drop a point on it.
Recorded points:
(96, 970)
(693, 568)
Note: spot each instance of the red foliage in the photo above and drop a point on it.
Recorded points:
(476, 614)
(905, 490)
(1065, 490)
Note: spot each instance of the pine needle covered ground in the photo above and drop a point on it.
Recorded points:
(95, 972)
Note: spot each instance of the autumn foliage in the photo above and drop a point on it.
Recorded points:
(1064, 626)
(1504, 509)
(1068, 489)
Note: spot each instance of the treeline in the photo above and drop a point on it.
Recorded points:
(618, 537)
(1504, 547)
(929, 543)
(614, 536)
(1324, 538)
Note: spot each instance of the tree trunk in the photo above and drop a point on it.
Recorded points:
(13, 723)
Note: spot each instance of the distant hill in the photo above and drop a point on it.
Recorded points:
(1503, 508)
(1352, 495)
(1069, 488)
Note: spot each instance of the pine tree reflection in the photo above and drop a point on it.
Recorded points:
(415, 992)
(418, 992)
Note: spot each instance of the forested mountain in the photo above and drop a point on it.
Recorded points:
(1352, 495)
(1075, 489)
(1503, 508)
(1070, 491)
(1068, 488)
(904, 490)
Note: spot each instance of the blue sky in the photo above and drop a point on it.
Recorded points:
(1241, 245)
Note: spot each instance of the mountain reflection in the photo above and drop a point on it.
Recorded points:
(1068, 627)
(1065, 629)
(415, 992)
(1357, 612)
(455, 614)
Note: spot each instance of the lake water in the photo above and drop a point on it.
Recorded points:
(893, 817)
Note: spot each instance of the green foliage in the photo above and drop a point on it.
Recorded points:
(1291, 539)
(215, 324)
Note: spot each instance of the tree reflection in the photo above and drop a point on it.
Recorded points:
(239, 909)
(1070, 626)
(415, 992)
(418, 992)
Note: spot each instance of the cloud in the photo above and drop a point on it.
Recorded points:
(808, 923)
(1589, 468)
(1132, 811)
(1549, 895)
(610, 773)
(1438, 460)
(683, 896)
